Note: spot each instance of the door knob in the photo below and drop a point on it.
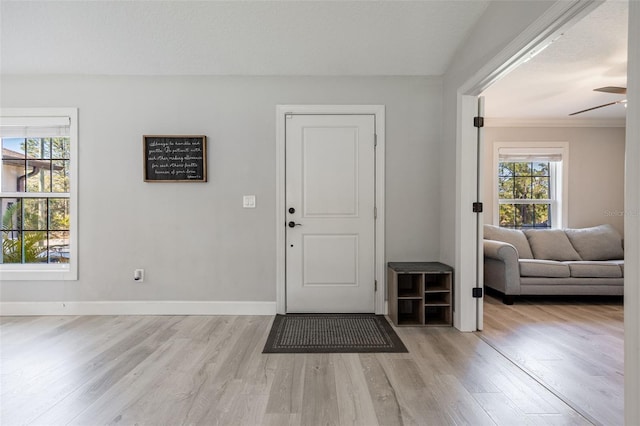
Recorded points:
(292, 224)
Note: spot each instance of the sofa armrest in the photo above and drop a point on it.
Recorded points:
(501, 268)
(500, 250)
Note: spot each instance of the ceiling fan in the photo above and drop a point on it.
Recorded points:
(609, 89)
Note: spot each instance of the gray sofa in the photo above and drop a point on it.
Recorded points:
(588, 261)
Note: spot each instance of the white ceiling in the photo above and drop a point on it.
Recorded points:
(321, 38)
(560, 80)
(234, 37)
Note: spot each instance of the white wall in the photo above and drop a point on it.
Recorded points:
(195, 241)
(596, 170)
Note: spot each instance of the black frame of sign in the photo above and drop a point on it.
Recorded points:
(174, 158)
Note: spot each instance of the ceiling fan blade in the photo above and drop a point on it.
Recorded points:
(599, 106)
(612, 89)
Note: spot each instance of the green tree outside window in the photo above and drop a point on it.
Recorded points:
(519, 182)
(36, 230)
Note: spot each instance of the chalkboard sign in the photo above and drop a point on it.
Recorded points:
(175, 158)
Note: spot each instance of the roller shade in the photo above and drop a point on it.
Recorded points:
(35, 127)
(519, 155)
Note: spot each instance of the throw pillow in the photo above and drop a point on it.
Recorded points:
(597, 243)
(551, 244)
(515, 237)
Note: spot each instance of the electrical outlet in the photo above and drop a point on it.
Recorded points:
(138, 275)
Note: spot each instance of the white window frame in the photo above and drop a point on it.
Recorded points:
(558, 171)
(51, 271)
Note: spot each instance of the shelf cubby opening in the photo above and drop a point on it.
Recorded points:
(437, 282)
(409, 311)
(409, 285)
(437, 315)
(437, 298)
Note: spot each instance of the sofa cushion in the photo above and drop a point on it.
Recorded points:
(597, 243)
(620, 263)
(551, 244)
(543, 268)
(515, 237)
(592, 269)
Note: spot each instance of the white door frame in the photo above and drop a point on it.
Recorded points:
(559, 17)
(632, 225)
(378, 111)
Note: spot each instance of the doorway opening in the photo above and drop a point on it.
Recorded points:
(546, 336)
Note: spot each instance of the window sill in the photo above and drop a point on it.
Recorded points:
(37, 273)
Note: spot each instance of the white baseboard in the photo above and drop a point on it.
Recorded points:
(144, 307)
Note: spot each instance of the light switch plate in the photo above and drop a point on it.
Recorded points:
(249, 201)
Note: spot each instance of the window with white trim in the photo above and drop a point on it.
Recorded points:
(529, 185)
(38, 194)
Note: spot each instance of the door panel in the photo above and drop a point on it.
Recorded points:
(330, 260)
(330, 185)
(334, 193)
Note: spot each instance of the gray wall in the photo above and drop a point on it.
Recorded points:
(596, 170)
(195, 241)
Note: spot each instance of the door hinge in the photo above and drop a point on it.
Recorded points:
(477, 207)
(476, 292)
(375, 212)
(375, 285)
(478, 122)
(375, 140)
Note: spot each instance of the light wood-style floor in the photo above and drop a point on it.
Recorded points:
(206, 370)
(574, 347)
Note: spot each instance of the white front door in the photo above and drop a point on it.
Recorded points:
(330, 201)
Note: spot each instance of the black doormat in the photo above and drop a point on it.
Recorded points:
(322, 333)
